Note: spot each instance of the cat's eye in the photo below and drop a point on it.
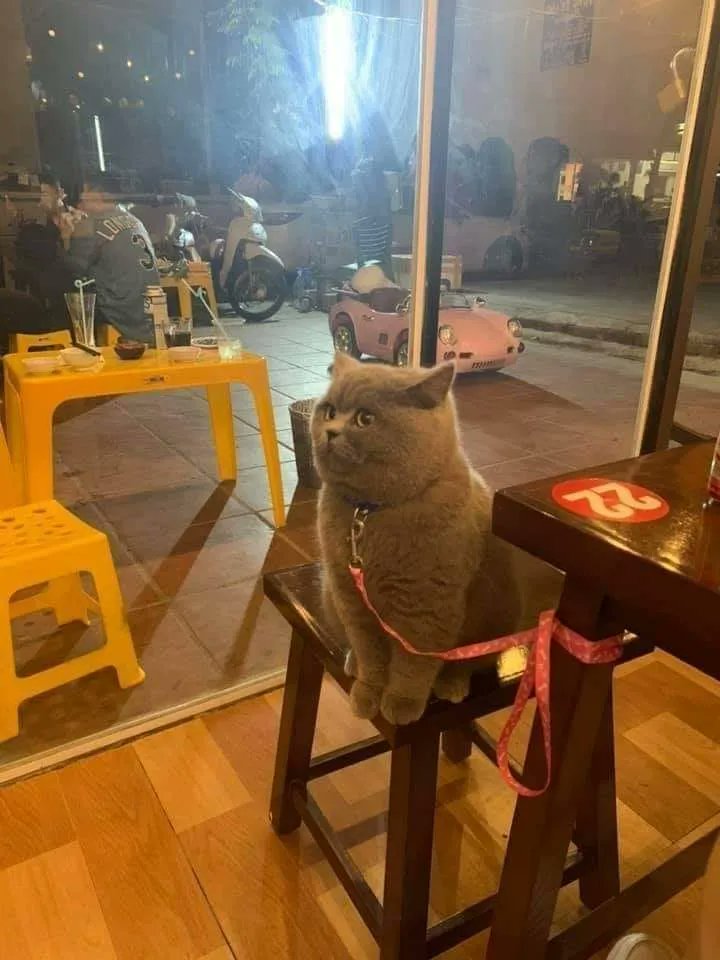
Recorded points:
(363, 418)
(330, 411)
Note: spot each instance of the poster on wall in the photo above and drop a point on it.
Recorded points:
(567, 33)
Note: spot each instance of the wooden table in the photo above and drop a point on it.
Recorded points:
(31, 401)
(659, 578)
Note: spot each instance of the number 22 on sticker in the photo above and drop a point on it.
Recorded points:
(610, 500)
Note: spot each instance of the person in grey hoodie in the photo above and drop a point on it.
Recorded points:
(114, 248)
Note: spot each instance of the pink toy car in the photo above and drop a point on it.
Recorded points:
(474, 337)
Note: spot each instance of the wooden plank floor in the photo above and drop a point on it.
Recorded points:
(161, 850)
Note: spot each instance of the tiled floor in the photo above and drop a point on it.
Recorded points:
(162, 850)
(190, 553)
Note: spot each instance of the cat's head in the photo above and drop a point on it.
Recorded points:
(383, 434)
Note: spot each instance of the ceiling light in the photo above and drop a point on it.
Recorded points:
(100, 47)
(129, 63)
(146, 78)
(191, 52)
(81, 75)
(178, 76)
(51, 32)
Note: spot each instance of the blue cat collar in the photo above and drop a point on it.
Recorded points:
(363, 505)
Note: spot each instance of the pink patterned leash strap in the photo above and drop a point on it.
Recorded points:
(536, 677)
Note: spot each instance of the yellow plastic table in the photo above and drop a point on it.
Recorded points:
(31, 401)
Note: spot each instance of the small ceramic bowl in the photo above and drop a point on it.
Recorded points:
(183, 354)
(78, 359)
(41, 365)
(129, 349)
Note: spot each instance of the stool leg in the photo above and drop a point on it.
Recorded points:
(303, 682)
(210, 295)
(596, 833)
(221, 418)
(185, 300)
(9, 722)
(457, 743)
(118, 640)
(66, 596)
(411, 817)
(14, 492)
(542, 826)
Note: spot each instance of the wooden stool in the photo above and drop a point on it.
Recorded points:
(399, 925)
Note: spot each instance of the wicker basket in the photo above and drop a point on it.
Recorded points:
(300, 413)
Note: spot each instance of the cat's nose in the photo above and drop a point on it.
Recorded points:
(331, 434)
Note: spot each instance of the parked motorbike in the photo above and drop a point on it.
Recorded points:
(245, 271)
(185, 231)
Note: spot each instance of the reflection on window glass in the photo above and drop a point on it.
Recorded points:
(567, 122)
(299, 115)
(566, 127)
(222, 177)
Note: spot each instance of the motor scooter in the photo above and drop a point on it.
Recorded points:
(246, 273)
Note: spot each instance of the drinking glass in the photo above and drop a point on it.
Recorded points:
(178, 331)
(81, 307)
(229, 349)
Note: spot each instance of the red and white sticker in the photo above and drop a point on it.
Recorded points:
(610, 500)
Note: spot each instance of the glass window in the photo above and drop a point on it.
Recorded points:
(566, 125)
(261, 152)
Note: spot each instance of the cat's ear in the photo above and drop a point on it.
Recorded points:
(433, 386)
(341, 364)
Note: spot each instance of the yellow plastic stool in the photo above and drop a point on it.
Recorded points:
(198, 277)
(25, 342)
(44, 545)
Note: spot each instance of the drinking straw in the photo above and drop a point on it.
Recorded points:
(81, 284)
(200, 294)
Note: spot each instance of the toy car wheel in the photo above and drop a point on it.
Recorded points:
(401, 353)
(344, 338)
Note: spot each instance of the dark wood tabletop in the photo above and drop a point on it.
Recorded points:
(660, 575)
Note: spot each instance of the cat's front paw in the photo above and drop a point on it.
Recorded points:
(364, 699)
(452, 686)
(401, 710)
(351, 667)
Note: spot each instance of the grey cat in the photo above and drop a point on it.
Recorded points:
(386, 439)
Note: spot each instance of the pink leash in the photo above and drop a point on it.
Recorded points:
(535, 678)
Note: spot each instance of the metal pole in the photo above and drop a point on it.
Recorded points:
(684, 242)
(436, 57)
